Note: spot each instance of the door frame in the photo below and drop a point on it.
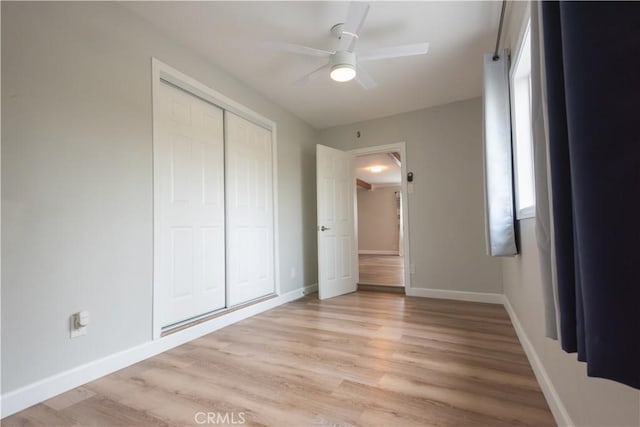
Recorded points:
(161, 72)
(404, 189)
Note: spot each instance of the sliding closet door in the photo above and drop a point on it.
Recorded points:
(190, 236)
(249, 192)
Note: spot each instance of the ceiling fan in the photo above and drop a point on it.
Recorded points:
(344, 62)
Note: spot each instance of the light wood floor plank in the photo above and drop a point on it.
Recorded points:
(363, 359)
(386, 270)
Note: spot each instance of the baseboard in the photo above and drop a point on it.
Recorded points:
(558, 409)
(47, 388)
(374, 252)
(311, 289)
(455, 295)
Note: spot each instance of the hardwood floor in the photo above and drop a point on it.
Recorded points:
(387, 270)
(367, 358)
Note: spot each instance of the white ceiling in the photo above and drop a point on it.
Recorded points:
(389, 175)
(232, 35)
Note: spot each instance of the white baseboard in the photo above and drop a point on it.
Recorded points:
(310, 289)
(455, 295)
(558, 409)
(47, 388)
(375, 252)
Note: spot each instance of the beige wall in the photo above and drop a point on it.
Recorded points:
(446, 214)
(588, 401)
(378, 219)
(77, 181)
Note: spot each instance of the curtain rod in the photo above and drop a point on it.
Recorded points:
(495, 54)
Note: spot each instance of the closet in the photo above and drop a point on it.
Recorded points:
(213, 204)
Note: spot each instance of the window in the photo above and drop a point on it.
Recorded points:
(521, 125)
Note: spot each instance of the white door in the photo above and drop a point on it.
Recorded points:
(249, 187)
(189, 188)
(337, 255)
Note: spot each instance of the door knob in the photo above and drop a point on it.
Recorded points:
(323, 228)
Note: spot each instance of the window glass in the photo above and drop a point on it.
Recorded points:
(522, 139)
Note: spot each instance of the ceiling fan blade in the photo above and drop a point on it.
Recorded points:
(355, 20)
(311, 76)
(394, 52)
(364, 78)
(301, 50)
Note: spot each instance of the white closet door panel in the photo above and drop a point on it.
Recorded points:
(181, 255)
(212, 249)
(249, 189)
(191, 247)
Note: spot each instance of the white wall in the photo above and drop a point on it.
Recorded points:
(588, 401)
(378, 219)
(77, 181)
(0, 216)
(446, 225)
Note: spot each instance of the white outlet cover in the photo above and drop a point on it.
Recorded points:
(76, 332)
(79, 332)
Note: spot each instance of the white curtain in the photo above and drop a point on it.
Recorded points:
(542, 181)
(499, 210)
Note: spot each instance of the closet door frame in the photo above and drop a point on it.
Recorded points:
(161, 72)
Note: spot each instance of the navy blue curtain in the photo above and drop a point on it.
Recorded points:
(592, 58)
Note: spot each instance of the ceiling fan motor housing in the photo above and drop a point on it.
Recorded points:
(343, 59)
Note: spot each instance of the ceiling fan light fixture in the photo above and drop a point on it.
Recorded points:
(343, 73)
(343, 66)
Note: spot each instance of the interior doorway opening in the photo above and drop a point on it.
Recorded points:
(381, 219)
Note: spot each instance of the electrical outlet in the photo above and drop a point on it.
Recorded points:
(412, 268)
(78, 324)
(293, 272)
(76, 332)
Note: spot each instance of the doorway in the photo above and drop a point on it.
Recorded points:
(382, 244)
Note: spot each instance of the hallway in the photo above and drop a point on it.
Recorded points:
(387, 270)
